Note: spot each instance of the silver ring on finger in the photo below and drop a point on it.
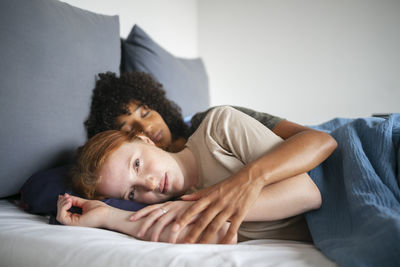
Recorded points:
(163, 210)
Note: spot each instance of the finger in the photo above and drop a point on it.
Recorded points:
(233, 228)
(144, 212)
(63, 216)
(196, 195)
(191, 197)
(215, 226)
(173, 237)
(149, 221)
(201, 224)
(67, 204)
(160, 226)
(62, 202)
(193, 210)
(77, 201)
(60, 197)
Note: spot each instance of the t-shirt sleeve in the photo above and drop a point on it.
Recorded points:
(239, 134)
(268, 120)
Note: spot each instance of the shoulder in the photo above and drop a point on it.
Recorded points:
(216, 121)
(221, 111)
(200, 116)
(268, 120)
(222, 115)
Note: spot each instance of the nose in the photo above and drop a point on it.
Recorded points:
(150, 183)
(143, 127)
(147, 128)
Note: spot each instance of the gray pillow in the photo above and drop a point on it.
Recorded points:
(184, 80)
(50, 54)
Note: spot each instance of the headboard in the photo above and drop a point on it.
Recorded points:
(50, 55)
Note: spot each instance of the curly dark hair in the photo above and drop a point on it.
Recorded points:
(112, 95)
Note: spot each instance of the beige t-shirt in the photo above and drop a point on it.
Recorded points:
(226, 141)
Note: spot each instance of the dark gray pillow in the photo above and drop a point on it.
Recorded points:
(50, 54)
(184, 80)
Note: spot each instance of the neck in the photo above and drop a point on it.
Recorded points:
(177, 145)
(188, 165)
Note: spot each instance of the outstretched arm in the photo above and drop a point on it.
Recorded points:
(99, 215)
(302, 150)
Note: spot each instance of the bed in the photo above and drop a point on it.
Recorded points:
(28, 240)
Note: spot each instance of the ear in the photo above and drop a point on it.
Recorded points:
(145, 139)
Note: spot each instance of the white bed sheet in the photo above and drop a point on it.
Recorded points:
(28, 240)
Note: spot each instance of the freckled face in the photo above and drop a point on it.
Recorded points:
(148, 121)
(142, 172)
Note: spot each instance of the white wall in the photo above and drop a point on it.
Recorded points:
(305, 60)
(172, 23)
(308, 60)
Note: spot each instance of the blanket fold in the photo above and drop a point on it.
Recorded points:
(358, 223)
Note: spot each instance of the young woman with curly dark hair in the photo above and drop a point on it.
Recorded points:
(136, 101)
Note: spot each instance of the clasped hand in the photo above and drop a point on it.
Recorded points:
(93, 214)
(155, 218)
(229, 200)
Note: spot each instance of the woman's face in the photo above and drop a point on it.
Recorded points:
(142, 119)
(142, 172)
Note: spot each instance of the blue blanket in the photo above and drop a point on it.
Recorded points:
(358, 223)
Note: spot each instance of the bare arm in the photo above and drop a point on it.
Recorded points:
(302, 150)
(99, 215)
(284, 199)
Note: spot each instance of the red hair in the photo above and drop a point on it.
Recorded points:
(91, 157)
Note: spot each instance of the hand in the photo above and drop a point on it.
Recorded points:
(230, 199)
(155, 218)
(93, 214)
(181, 238)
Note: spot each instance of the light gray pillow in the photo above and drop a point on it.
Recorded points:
(50, 54)
(184, 80)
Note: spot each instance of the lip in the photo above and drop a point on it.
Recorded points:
(164, 184)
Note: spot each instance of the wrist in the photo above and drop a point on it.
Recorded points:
(258, 174)
(118, 220)
(109, 217)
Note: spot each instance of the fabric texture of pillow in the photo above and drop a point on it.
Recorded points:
(184, 80)
(40, 193)
(50, 55)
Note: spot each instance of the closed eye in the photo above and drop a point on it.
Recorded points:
(144, 115)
